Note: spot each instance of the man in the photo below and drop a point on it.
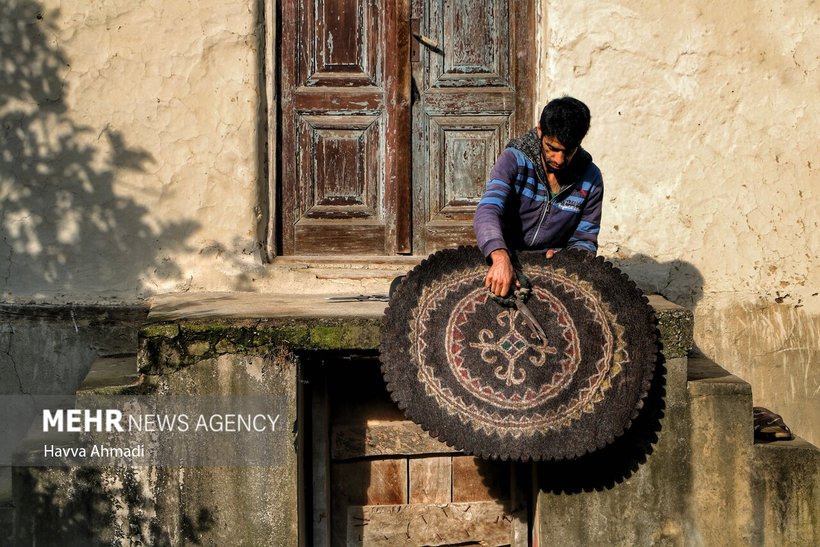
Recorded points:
(544, 194)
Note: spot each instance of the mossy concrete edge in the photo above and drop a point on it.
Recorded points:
(177, 344)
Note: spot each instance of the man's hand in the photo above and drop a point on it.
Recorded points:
(501, 275)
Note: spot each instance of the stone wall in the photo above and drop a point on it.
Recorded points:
(130, 160)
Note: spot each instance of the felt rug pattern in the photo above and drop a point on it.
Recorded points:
(474, 374)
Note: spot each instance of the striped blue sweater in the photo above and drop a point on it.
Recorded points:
(517, 213)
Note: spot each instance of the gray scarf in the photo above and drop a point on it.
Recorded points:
(530, 145)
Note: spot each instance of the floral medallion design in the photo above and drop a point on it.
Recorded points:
(505, 377)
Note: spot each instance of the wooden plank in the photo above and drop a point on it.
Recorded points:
(320, 456)
(521, 475)
(388, 482)
(368, 482)
(384, 438)
(289, 77)
(475, 479)
(522, 26)
(487, 102)
(477, 523)
(373, 482)
(397, 160)
(331, 238)
(453, 236)
(430, 479)
(319, 100)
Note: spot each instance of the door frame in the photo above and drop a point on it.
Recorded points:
(268, 226)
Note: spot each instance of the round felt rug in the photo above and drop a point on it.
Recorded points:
(473, 373)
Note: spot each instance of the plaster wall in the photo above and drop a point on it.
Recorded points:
(704, 125)
(129, 146)
(130, 161)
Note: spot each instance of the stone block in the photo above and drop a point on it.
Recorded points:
(633, 492)
(161, 504)
(721, 437)
(675, 325)
(112, 375)
(170, 346)
(786, 493)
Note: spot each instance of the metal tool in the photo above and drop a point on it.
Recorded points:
(360, 298)
(533, 323)
(517, 300)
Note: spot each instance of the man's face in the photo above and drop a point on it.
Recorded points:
(556, 155)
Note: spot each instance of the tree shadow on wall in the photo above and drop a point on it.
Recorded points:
(65, 223)
(84, 514)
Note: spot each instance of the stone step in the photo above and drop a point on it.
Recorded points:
(720, 443)
(111, 375)
(699, 482)
(339, 274)
(786, 493)
(720, 402)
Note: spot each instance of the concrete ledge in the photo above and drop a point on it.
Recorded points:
(247, 305)
(184, 328)
(721, 436)
(705, 377)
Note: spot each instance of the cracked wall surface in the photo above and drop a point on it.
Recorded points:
(128, 145)
(129, 161)
(704, 125)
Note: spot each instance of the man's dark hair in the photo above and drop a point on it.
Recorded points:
(565, 119)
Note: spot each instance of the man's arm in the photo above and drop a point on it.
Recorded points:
(488, 223)
(586, 233)
(488, 219)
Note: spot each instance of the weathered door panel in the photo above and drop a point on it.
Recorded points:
(347, 132)
(345, 85)
(473, 92)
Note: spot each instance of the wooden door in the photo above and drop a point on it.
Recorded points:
(348, 133)
(473, 90)
(344, 162)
